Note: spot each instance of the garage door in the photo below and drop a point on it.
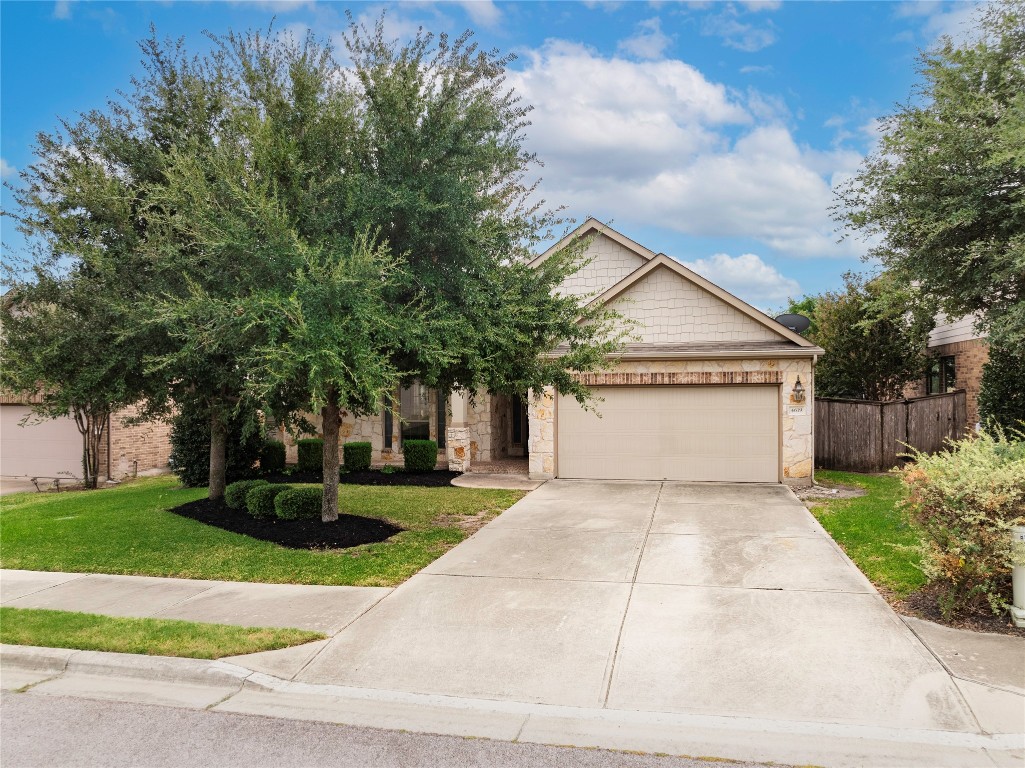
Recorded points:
(51, 448)
(720, 433)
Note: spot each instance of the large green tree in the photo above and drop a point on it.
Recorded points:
(942, 197)
(391, 206)
(873, 345)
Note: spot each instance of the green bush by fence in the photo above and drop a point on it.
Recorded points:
(967, 499)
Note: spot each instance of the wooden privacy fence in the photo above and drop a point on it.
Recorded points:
(869, 436)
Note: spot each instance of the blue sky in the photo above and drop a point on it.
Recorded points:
(711, 131)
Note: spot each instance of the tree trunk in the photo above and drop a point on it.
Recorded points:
(331, 419)
(218, 454)
(90, 426)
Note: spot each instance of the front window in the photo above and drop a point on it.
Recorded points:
(941, 376)
(414, 408)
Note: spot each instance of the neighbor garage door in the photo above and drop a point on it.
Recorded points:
(51, 448)
(718, 433)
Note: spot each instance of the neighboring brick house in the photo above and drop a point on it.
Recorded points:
(712, 390)
(53, 448)
(957, 354)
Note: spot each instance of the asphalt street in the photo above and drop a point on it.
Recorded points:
(41, 731)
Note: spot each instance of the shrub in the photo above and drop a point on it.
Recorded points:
(311, 454)
(356, 456)
(190, 445)
(299, 502)
(966, 500)
(235, 493)
(420, 455)
(272, 456)
(1002, 396)
(260, 499)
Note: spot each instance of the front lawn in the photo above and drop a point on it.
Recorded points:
(154, 637)
(128, 530)
(875, 534)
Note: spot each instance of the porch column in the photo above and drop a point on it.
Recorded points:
(457, 435)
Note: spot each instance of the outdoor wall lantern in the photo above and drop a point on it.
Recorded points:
(798, 393)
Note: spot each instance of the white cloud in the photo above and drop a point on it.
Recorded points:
(648, 42)
(747, 277)
(752, 69)
(62, 9)
(954, 19)
(483, 12)
(7, 171)
(736, 33)
(659, 144)
(761, 5)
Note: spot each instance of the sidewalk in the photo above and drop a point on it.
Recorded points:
(987, 669)
(316, 608)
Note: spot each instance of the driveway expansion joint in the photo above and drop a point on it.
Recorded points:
(629, 597)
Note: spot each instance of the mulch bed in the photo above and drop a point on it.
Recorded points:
(436, 479)
(346, 531)
(924, 604)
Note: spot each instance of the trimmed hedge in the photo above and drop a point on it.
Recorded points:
(299, 502)
(260, 499)
(420, 455)
(236, 493)
(311, 454)
(356, 456)
(272, 456)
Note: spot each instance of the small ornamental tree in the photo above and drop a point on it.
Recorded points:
(66, 339)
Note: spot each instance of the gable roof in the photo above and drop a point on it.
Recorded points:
(661, 261)
(593, 226)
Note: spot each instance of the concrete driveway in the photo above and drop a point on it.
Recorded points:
(661, 597)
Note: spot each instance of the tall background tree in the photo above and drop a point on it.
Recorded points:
(874, 336)
(943, 194)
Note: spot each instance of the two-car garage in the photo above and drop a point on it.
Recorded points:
(699, 433)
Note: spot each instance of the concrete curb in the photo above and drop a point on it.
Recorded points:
(246, 691)
(167, 669)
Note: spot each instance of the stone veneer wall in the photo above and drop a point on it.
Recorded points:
(969, 358)
(371, 429)
(798, 445)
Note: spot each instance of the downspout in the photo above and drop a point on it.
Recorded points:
(109, 478)
(814, 389)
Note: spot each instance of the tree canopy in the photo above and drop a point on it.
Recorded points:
(309, 236)
(942, 197)
(874, 346)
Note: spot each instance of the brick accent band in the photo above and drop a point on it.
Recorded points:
(680, 377)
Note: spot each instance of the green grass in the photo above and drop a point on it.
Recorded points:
(128, 530)
(154, 637)
(874, 533)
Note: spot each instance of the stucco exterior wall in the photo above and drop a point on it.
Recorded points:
(668, 308)
(797, 445)
(610, 263)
